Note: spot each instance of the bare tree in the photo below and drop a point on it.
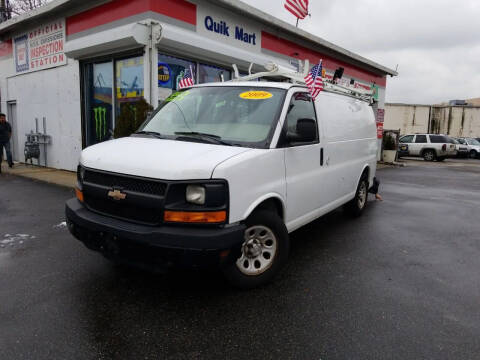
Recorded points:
(17, 7)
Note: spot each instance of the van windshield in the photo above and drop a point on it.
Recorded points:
(242, 116)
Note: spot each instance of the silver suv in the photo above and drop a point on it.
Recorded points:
(473, 146)
(429, 146)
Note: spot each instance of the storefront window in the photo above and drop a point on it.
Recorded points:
(129, 87)
(99, 102)
(170, 72)
(210, 73)
(110, 86)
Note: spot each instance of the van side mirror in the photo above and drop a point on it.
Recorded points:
(306, 131)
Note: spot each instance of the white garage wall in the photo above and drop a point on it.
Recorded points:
(55, 94)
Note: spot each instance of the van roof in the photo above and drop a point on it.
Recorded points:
(270, 84)
(279, 85)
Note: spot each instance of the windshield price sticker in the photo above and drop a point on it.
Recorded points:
(179, 95)
(256, 95)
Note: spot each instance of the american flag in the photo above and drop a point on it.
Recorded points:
(298, 8)
(187, 80)
(314, 80)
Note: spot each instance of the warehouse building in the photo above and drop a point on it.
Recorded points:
(75, 63)
(456, 121)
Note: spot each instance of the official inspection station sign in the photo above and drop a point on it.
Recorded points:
(40, 48)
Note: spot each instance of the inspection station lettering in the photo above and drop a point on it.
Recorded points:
(41, 47)
(46, 45)
(221, 27)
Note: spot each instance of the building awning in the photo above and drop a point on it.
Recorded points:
(281, 28)
(191, 44)
(124, 37)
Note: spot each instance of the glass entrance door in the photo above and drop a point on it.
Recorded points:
(99, 102)
(129, 85)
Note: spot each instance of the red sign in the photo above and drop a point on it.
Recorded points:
(41, 48)
(379, 130)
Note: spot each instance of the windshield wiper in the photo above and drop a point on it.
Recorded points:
(152, 133)
(199, 135)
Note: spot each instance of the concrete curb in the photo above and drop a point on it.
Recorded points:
(52, 176)
(382, 165)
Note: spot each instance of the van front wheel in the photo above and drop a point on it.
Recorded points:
(263, 252)
(356, 206)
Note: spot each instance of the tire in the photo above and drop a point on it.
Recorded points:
(357, 205)
(473, 154)
(266, 235)
(429, 155)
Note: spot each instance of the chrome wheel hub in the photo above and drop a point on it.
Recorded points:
(258, 250)
(252, 248)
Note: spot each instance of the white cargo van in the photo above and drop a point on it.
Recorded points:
(222, 173)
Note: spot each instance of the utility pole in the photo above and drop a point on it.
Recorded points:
(3, 11)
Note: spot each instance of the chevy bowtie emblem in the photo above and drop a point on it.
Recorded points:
(117, 195)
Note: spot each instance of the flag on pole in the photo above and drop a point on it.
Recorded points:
(314, 80)
(298, 8)
(187, 80)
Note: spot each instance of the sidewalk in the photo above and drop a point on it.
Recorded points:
(62, 177)
(49, 175)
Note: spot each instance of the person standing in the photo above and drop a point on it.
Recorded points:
(5, 135)
(374, 189)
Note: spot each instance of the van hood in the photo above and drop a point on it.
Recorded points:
(158, 158)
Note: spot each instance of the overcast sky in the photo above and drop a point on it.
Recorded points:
(435, 43)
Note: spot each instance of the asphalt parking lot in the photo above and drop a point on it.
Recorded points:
(401, 282)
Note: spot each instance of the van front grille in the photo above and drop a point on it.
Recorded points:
(143, 203)
(125, 183)
(130, 212)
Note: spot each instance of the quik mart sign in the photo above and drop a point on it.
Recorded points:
(40, 48)
(227, 28)
(223, 28)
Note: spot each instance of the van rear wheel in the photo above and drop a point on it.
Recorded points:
(263, 252)
(357, 205)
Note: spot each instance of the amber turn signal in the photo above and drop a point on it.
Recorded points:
(195, 217)
(79, 194)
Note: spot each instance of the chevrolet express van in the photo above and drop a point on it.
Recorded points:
(220, 175)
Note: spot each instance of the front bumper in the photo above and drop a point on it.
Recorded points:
(153, 247)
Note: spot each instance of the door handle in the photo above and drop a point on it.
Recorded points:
(321, 156)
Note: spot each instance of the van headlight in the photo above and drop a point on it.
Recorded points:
(195, 194)
(80, 174)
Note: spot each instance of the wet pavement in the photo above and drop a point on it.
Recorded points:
(401, 282)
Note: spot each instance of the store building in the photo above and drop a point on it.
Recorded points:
(77, 62)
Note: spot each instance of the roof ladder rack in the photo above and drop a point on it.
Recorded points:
(275, 71)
